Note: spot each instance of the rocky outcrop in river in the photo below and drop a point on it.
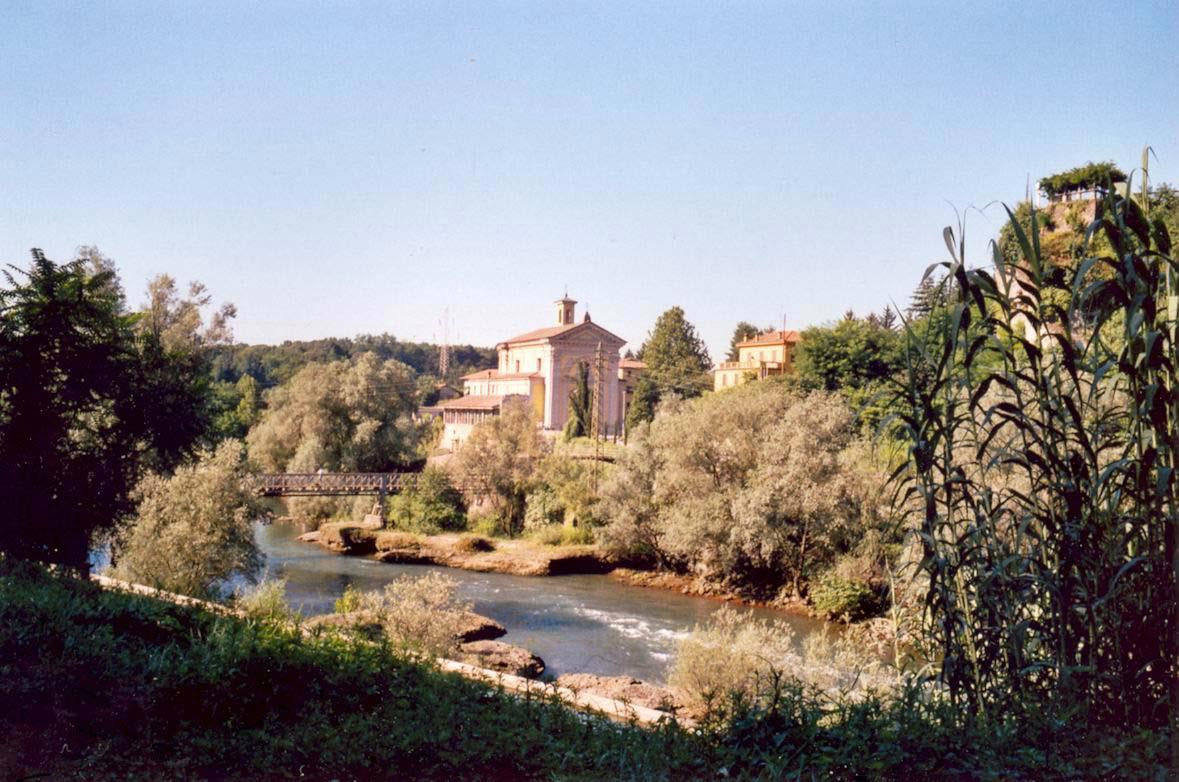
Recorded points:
(502, 657)
(474, 627)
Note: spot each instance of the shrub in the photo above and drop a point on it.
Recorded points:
(266, 600)
(730, 659)
(429, 505)
(489, 524)
(474, 544)
(419, 614)
(549, 535)
(850, 599)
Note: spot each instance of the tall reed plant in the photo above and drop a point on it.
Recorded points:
(1043, 441)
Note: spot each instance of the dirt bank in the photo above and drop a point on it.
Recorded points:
(468, 552)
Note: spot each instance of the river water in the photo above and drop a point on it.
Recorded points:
(576, 624)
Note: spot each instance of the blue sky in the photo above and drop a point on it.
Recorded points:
(347, 168)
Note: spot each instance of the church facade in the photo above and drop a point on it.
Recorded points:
(541, 367)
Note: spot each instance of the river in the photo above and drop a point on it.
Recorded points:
(576, 624)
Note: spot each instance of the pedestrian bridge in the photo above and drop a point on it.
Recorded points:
(330, 484)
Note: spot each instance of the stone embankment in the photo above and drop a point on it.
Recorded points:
(468, 552)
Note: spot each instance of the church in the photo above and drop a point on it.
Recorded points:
(540, 368)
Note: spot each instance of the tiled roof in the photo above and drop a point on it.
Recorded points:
(772, 338)
(471, 403)
(632, 363)
(482, 374)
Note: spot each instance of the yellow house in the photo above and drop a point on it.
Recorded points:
(771, 353)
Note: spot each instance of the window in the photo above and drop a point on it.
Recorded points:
(517, 366)
(538, 365)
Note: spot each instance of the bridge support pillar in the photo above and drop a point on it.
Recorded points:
(382, 494)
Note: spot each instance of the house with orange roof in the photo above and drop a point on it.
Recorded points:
(769, 353)
(541, 367)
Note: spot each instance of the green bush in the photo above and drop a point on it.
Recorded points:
(429, 505)
(837, 597)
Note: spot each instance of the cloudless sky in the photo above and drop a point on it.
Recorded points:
(346, 168)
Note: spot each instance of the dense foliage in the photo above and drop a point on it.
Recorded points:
(754, 490)
(91, 396)
(1042, 481)
(856, 357)
(344, 416)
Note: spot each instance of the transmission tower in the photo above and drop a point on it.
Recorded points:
(444, 348)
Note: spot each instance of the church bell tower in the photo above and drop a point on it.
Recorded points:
(565, 307)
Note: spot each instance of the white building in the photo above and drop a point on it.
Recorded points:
(542, 367)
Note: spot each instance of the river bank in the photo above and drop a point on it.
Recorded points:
(519, 558)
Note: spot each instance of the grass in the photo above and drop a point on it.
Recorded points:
(106, 685)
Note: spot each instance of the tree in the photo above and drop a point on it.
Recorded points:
(849, 355)
(69, 431)
(750, 490)
(744, 330)
(345, 415)
(429, 505)
(676, 358)
(191, 531)
(929, 295)
(580, 405)
(173, 338)
(642, 403)
(498, 463)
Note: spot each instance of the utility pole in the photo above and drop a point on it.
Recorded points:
(595, 411)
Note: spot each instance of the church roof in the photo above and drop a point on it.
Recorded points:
(553, 332)
(547, 333)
